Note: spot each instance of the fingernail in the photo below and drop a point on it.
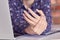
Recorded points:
(28, 9)
(36, 9)
(24, 10)
(23, 14)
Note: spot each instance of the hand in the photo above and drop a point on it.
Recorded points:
(29, 18)
(41, 26)
(37, 24)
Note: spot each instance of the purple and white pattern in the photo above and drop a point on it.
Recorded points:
(16, 10)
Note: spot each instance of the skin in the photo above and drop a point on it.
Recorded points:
(37, 24)
(28, 3)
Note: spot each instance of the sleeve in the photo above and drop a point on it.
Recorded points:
(16, 18)
(46, 8)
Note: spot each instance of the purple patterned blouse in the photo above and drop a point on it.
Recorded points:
(19, 23)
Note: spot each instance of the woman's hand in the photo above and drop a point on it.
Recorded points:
(31, 20)
(40, 27)
(37, 23)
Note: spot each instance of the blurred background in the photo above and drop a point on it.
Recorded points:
(55, 6)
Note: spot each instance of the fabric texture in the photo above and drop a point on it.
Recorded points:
(16, 10)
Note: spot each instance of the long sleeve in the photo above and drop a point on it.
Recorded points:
(18, 22)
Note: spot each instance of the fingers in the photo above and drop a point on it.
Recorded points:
(33, 13)
(40, 27)
(43, 26)
(40, 12)
(39, 23)
(37, 28)
(29, 21)
(29, 16)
